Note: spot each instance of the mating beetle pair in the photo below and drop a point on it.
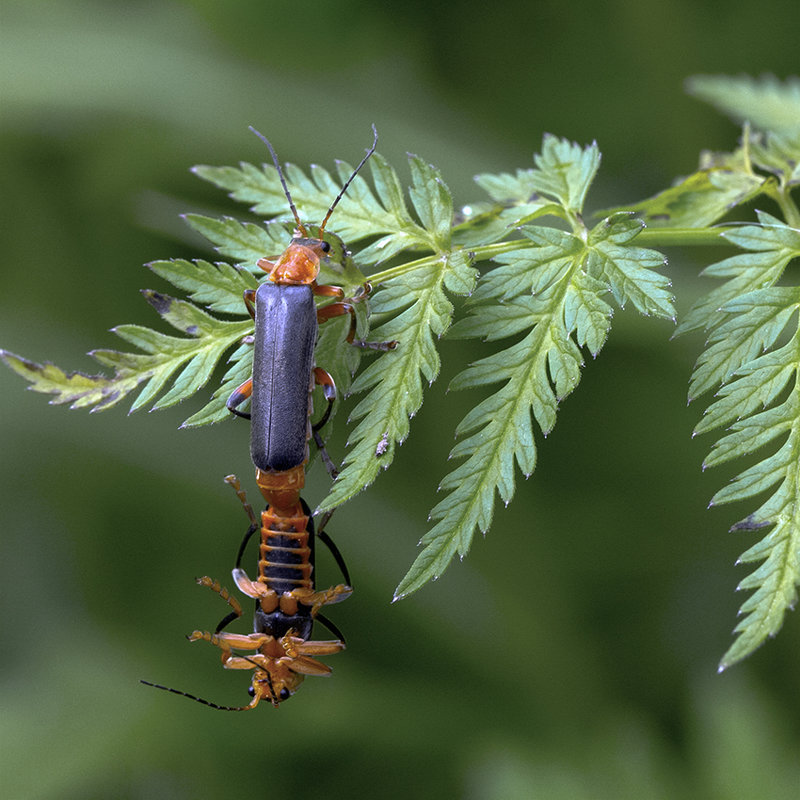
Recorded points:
(284, 374)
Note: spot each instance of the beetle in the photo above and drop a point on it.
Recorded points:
(280, 650)
(286, 326)
(284, 374)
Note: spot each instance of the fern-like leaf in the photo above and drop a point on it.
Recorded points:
(394, 380)
(188, 362)
(775, 581)
(550, 288)
(360, 213)
(704, 197)
(759, 399)
(779, 153)
(769, 247)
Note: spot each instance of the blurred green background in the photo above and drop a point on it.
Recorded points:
(573, 654)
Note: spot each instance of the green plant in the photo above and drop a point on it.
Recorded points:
(550, 285)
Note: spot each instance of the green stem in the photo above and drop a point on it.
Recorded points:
(681, 237)
(482, 253)
(652, 237)
(787, 206)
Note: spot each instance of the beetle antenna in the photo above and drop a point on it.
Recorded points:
(350, 180)
(196, 699)
(277, 163)
(274, 700)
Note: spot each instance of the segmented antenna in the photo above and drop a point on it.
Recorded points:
(277, 163)
(273, 697)
(300, 226)
(197, 699)
(350, 179)
(274, 700)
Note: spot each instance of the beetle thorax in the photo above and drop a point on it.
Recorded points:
(298, 264)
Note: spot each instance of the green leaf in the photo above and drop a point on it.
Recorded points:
(173, 368)
(390, 190)
(703, 198)
(501, 435)
(764, 474)
(771, 245)
(262, 187)
(219, 287)
(482, 224)
(586, 313)
(432, 201)
(754, 323)
(531, 269)
(215, 410)
(509, 189)
(500, 321)
(760, 396)
(627, 270)
(778, 153)
(516, 201)
(245, 242)
(188, 362)
(766, 103)
(564, 171)
(551, 290)
(393, 379)
(76, 388)
(769, 375)
(775, 582)
(359, 214)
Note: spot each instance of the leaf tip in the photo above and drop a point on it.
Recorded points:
(160, 302)
(749, 523)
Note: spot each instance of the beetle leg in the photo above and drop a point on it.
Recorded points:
(227, 641)
(215, 586)
(321, 648)
(318, 599)
(309, 666)
(238, 396)
(334, 550)
(245, 390)
(249, 296)
(254, 589)
(325, 380)
(345, 306)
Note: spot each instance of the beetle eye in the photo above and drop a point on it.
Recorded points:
(325, 247)
(285, 694)
(251, 691)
